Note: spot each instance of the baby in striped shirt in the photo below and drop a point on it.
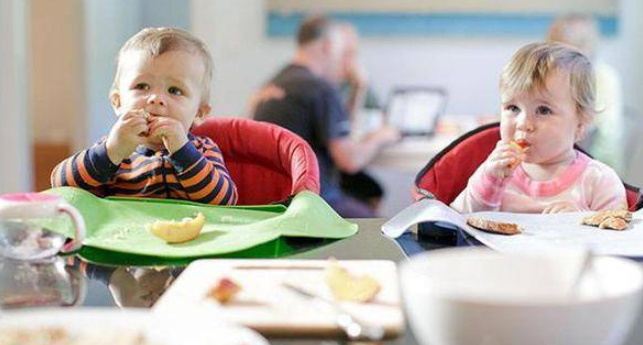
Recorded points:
(161, 89)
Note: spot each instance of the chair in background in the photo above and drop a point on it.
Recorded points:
(447, 174)
(268, 163)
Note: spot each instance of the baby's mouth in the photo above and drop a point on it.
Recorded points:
(521, 144)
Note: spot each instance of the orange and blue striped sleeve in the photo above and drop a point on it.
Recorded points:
(88, 169)
(202, 172)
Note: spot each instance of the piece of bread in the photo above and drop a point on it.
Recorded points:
(613, 224)
(493, 226)
(522, 146)
(349, 287)
(610, 219)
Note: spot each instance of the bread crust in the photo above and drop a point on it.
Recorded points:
(609, 219)
(503, 228)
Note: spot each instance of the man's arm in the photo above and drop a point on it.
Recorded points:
(266, 93)
(351, 156)
(357, 88)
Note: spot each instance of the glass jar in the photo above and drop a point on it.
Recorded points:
(21, 235)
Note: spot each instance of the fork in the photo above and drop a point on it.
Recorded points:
(353, 328)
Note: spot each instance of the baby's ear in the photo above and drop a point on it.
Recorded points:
(115, 101)
(202, 113)
(580, 132)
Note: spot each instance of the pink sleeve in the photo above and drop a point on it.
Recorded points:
(605, 189)
(483, 193)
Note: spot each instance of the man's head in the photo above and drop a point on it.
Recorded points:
(166, 72)
(577, 30)
(351, 50)
(322, 43)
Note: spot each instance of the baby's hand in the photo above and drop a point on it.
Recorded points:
(168, 132)
(560, 207)
(128, 132)
(503, 160)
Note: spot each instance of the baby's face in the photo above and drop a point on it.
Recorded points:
(548, 120)
(166, 85)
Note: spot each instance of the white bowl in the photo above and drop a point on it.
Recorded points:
(470, 296)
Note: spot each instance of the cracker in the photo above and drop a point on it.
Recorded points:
(496, 227)
(609, 219)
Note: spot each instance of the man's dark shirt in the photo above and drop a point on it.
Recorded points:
(313, 109)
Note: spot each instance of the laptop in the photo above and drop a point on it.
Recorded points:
(415, 110)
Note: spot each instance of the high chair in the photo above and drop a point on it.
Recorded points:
(446, 175)
(267, 163)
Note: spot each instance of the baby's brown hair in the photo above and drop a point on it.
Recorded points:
(156, 41)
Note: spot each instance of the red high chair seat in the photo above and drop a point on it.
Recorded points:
(267, 163)
(447, 174)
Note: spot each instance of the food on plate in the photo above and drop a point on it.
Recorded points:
(59, 336)
(178, 231)
(348, 287)
(522, 146)
(495, 227)
(224, 291)
(610, 219)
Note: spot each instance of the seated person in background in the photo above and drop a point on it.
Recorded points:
(548, 100)
(606, 144)
(160, 90)
(357, 96)
(352, 79)
(311, 107)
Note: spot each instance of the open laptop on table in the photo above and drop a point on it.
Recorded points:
(415, 110)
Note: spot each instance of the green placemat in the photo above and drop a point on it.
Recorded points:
(118, 225)
(278, 248)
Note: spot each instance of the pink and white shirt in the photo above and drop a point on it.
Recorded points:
(588, 184)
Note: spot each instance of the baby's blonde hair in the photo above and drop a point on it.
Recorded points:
(156, 41)
(530, 66)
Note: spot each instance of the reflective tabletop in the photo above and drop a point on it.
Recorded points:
(72, 283)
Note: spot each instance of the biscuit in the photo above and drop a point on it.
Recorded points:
(610, 219)
(522, 146)
(495, 227)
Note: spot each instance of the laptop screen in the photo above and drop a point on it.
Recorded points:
(415, 110)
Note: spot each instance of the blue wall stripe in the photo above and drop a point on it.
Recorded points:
(465, 25)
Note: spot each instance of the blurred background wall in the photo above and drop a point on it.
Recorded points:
(15, 148)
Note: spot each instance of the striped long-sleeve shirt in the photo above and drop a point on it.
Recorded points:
(195, 172)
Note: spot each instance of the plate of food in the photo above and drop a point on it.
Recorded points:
(291, 298)
(98, 326)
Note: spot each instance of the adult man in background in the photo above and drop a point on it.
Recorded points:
(312, 107)
(607, 133)
(361, 104)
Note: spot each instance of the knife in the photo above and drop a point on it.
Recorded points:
(353, 328)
